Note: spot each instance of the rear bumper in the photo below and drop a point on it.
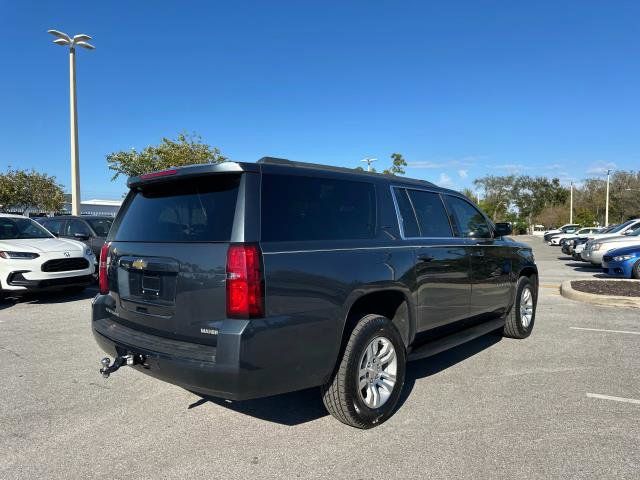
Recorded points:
(252, 358)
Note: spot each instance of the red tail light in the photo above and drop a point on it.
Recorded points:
(103, 279)
(245, 285)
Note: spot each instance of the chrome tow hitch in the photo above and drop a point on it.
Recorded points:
(120, 361)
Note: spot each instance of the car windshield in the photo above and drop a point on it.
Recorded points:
(100, 225)
(20, 228)
(620, 227)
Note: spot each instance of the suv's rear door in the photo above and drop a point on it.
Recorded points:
(168, 254)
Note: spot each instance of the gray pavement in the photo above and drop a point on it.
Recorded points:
(494, 408)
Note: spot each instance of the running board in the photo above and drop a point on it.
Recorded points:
(440, 345)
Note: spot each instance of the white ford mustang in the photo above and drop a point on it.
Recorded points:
(31, 258)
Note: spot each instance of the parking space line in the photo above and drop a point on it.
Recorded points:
(604, 330)
(615, 399)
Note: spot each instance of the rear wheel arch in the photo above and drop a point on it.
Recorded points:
(392, 303)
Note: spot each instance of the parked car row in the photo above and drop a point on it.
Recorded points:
(50, 253)
(615, 249)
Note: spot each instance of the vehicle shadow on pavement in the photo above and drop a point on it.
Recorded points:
(45, 298)
(287, 409)
(583, 267)
(306, 405)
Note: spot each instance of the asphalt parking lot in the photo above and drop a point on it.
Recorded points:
(564, 403)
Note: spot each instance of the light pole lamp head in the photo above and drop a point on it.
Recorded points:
(64, 39)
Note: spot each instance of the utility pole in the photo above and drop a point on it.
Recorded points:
(571, 205)
(606, 212)
(81, 41)
(368, 161)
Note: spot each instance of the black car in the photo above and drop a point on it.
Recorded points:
(243, 280)
(92, 230)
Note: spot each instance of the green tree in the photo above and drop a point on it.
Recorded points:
(498, 194)
(24, 189)
(397, 165)
(186, 149)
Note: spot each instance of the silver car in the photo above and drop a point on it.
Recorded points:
(595, 249)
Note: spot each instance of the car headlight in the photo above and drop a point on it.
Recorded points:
(596, 246)
(88, 252)
(622, 258)
(18, 255)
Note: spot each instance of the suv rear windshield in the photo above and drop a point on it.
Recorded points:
(297, 208)
(194, 210)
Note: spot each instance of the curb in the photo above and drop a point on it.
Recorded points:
(567, 291)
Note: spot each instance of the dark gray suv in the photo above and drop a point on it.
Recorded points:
(243, 280)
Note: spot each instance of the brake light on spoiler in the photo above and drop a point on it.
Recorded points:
(161, 173)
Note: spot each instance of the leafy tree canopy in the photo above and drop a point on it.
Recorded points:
(24, 189)
(186, 149)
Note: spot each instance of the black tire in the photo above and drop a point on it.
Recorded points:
(635, 272)
(514, 324)
(341, 396)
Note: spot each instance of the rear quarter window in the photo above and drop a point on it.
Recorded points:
(193, 210)
(298, 208)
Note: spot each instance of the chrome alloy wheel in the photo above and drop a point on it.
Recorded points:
(377, 372)
(526, 307)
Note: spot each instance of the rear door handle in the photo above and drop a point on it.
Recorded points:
(425, 258)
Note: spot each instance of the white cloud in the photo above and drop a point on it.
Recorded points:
(463, 173)
(512, 168)
(600, 168)
(445, 181)
(466, 161)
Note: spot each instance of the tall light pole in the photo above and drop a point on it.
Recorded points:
(606, 208)
(369, 161)
(571, 205)
(80, 41)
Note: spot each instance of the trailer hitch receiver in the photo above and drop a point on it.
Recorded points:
(120, 361)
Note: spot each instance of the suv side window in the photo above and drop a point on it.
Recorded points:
(77, 226)
(53, 226)
(432, 216)
(471, 223)
(299, 208)
(407, 213)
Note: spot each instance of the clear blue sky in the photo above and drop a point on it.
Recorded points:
(461, 88)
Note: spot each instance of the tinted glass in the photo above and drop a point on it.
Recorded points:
(20, 228)
(407, 214)
(298, 208)
(620, 227)
(432, 217)
(196, 210)
(471, 222)
(77, 226)
(52, 225)
(100, 225)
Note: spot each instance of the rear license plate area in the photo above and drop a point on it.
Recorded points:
(151, 284)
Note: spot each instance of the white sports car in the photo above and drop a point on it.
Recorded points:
(31, 258)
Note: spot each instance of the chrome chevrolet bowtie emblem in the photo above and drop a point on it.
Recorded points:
(139, 264)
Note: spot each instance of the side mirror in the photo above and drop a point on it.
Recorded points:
(81, 236)
(503, 229)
